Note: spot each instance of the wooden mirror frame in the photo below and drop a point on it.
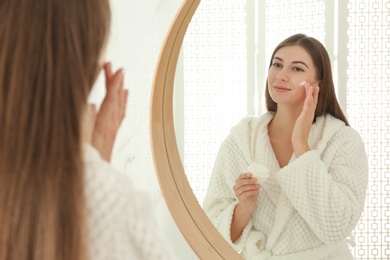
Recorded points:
(197, 229)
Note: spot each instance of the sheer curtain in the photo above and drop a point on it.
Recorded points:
(224, 63)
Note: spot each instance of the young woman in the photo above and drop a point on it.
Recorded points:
(59, 198)
(291, 184)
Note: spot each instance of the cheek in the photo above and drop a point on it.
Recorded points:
(301, 94)
(102, 58)
(101, 62)
(270, 90)
(271, 77)
(271, 74)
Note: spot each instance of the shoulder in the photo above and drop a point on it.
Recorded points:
(120, 216)
(249, 123)
(101, 173)
(336, 135)
(108, 188)
(340, 130)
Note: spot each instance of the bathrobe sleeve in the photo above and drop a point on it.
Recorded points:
(220, 200)
(122, 223)
(327, 186)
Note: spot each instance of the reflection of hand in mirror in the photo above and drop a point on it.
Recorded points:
(313, 192)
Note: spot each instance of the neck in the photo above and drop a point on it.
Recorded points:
(283, 122)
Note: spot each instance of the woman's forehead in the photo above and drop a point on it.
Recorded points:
(293, 53)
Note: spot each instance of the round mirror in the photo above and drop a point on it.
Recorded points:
(179, 195)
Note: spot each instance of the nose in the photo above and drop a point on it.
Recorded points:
(282, 75)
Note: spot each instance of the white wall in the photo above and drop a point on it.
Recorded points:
(138, 31)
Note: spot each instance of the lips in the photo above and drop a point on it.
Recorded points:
(281, 89)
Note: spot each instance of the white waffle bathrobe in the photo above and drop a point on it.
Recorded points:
(122, 225)
(305, 210)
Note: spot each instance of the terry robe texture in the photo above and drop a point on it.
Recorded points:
(121, 222)
(305, 210)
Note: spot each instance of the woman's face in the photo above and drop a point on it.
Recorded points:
(290, 66)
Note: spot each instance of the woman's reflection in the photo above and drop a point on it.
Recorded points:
(291, 184)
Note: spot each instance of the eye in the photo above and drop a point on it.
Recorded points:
(298, 69)
(276, 65)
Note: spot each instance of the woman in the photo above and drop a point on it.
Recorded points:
(310, 166)
(59, 198)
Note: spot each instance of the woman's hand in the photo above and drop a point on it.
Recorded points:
(111, 113)
(301, 131)
(246, 190)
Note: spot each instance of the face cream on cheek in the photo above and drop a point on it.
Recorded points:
(303, 83)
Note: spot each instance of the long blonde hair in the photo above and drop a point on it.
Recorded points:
(49, 54)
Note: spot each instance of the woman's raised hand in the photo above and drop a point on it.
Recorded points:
(111, 113)
(301, 131)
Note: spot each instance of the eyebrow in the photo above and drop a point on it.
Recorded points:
(294, 62)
